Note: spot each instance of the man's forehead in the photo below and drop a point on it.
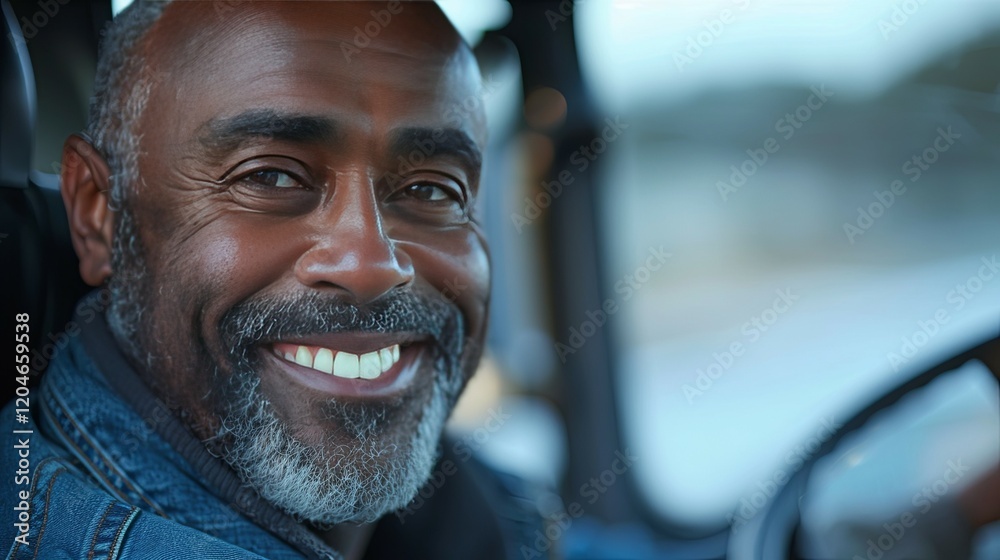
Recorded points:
(295, 53)
(190, 30)
(397, 19)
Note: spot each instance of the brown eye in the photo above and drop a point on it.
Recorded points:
(428, 192)
(438, 202)
(272, 178)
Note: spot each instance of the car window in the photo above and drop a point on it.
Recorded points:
(816, 182)
(907, 466)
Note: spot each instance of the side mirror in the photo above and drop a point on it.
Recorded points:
(887, 484)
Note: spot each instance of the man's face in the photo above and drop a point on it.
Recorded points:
(314, 289)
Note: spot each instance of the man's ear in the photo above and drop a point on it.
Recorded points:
(85, 183)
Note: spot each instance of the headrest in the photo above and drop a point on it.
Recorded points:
(17, 104)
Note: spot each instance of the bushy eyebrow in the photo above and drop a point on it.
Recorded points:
(224, 135)
(221, 136)
(414, 143)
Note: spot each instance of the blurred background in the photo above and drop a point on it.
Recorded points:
(823, 175)
(720, 229)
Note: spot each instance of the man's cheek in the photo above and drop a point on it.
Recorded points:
(460, 273)
(191, 284)
(220, 267)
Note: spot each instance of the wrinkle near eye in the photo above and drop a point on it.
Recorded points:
(252, 201)
(284, 196)
(199, 200)
(204, 215)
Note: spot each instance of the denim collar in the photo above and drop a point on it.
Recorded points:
(141, 452)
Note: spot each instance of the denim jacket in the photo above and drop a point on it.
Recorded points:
(106, 471)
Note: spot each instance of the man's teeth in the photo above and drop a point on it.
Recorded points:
(345, 364)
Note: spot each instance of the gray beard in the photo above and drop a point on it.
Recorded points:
(379, 471)
(329, 484)
(128, 261)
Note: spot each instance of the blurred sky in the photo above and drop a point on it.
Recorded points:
(630, 48)
(900, 73)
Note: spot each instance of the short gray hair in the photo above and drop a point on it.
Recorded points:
(121, 90)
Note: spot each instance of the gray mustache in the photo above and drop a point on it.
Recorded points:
(264, 319)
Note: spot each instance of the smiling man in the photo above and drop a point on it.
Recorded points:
(274, 196)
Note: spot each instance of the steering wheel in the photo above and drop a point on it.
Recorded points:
(773, 532)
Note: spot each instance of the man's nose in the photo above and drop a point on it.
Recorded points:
(353, 253)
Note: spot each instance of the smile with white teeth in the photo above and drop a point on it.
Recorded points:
(342, 364)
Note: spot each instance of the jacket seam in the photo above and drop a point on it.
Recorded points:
(80, 454)
(45, 516)
(120, 533)
(34, 486)
(87, 460)
(97, 533)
